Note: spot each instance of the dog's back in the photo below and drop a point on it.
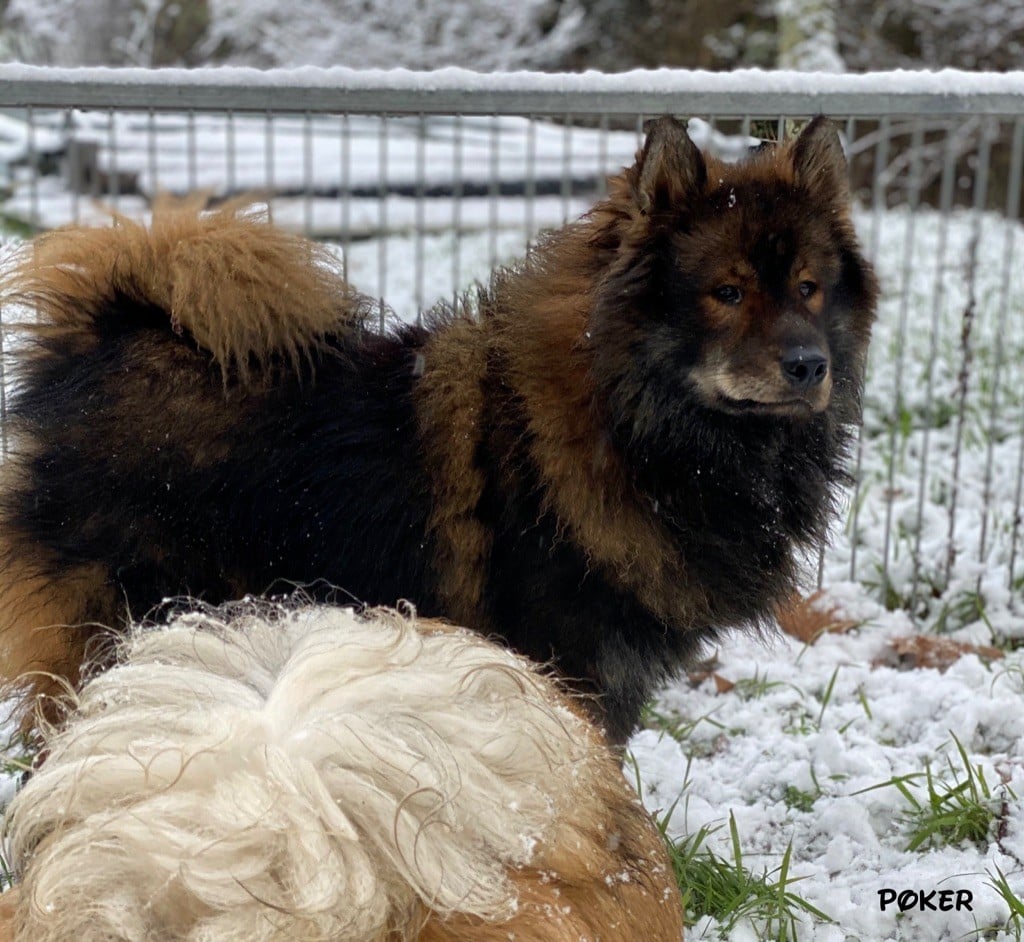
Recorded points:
(200, 410)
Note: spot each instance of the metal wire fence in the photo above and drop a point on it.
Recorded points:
(426, 182)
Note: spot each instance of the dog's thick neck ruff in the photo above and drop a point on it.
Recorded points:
(621, 454)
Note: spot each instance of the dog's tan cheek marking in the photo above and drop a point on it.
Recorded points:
(709, 375)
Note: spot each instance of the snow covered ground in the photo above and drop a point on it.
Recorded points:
(796, 741)
(797, 748)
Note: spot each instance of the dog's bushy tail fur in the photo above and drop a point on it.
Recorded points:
(245, 296)
(247, 292)
(311, 774)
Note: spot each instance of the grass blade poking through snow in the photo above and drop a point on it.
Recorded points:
(728, 892)
(964, 809)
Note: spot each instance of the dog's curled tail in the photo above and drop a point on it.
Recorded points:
(314, 774)
(246, 291)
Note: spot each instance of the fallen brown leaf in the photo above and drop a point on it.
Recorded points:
(722, 684)
(929, 651)
(808, 618)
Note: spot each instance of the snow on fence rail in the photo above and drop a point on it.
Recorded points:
(426, 181)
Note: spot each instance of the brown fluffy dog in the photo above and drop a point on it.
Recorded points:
(306, 774)
(623, 454)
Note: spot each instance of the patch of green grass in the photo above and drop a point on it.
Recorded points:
(730, 893)
(801, 799)
(863, 699)
(884, 589)
(681, 729)
(1015, 921)
(799, 721)
(16, 758)
(756, 687)
(18, 755)
(950, 812)
(726, 890)
(798, 799)
(963, 608)
(13, 226)
(7, 878)
(826, 696)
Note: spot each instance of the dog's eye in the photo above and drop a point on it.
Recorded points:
(806, 288)
(728, 294)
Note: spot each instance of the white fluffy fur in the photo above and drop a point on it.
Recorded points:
(304, 773)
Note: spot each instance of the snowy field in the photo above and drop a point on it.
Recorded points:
(822, 746)
(796, 740)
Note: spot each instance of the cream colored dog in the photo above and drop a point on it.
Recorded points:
(308, 773)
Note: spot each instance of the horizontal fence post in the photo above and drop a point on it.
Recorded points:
(459, 91)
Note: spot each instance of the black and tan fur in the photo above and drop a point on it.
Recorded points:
(619, 448)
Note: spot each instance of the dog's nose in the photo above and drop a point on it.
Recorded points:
(804, 367)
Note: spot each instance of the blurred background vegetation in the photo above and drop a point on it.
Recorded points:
(611, 35)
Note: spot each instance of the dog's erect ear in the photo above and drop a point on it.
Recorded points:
(819, 162)
(672, 169)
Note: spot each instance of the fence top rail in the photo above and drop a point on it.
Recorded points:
(753, 92)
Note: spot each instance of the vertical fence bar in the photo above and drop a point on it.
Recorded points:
(421, 209)
(192, 150)
(878, 182)
(947, 180)
(602, 155)
(75, 169)
(530, 189)
(33, 168)
(1015, 529)
(1018, 490)
(1012, 214)
(113, 176)
(307, 175)
(881, 149)
(230, 154)
(152, 158)
(382, 216)
(268, 162)
(457, 187)
(3, 387)
(345, 191)
(967, 334)
(493, 191)
(567, 153)
(895, 417)
(851, 135)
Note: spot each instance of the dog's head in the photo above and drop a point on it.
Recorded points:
(737, 288)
